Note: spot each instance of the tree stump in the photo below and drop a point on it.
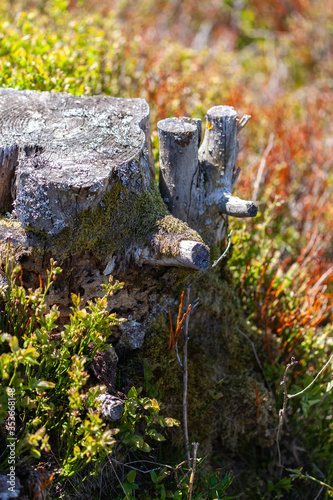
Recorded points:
(78, 184)
(79, 175)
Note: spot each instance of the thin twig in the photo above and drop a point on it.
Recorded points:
(121, 484)
(194, 464)
(242, 122)
(185, 346)
(262, 166)
(178, 357)
(313, 381)
(298, 473)
(282, 412)
(185, 380)
(319, 493)
(321, 279)
(128, 464)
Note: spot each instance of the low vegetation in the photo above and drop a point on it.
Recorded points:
(271, 60)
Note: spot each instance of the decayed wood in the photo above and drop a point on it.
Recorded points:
(217, 158)
(70, 150)
(112, 407)
(191, 254)
(8, 161)
(197, 185)
(178, 164)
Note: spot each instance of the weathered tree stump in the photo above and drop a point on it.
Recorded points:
(64, 158)
(78, 184)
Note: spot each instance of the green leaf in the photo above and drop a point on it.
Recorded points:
(154, 477)
(127, 488)
(35, 453)
(137, 441)
(171, 422)
(15, 344)
(132, 393)
(156, 435)
(43, 384)
(131, 476)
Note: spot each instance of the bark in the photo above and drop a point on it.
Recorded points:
(178, 165)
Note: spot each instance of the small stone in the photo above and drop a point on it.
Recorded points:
(133, 334)
(112, 407)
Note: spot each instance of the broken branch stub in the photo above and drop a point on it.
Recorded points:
(178, 165)
(190, 254)
(197, 185)
(217, 159)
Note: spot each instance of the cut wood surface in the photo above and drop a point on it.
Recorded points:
(65, 152)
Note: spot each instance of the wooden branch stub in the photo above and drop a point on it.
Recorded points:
(217, 163)
(197, 185)
(219, 148)
(178, 164)
(236, 207)
(112, 408)
(191, 254)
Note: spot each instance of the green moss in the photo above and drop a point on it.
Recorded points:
(123, 219)
(222, 370)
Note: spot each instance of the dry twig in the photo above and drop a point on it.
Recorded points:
(186, 338)
(262, 166)
(282, 412)
(194, 463)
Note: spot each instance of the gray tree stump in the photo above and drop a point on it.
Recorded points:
(197, 185)
(77, 183)
(79, 171)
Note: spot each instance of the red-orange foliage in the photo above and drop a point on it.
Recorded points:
(296, 302)
(174, 335)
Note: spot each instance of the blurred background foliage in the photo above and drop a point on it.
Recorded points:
(271, 59)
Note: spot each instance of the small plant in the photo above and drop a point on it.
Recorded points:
(47, 374)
